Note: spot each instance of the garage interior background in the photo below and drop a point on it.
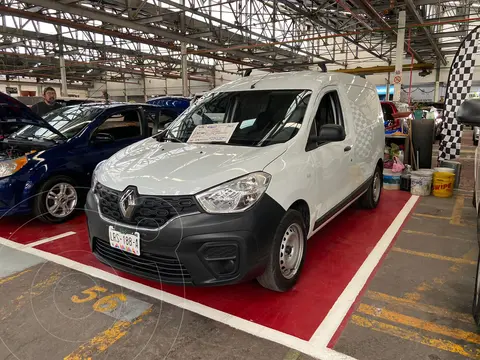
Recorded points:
(133, 49)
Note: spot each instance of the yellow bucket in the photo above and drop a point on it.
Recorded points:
(443, 183)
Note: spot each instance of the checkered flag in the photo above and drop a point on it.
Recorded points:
(458, 87)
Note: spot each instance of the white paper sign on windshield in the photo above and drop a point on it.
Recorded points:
(212, 133)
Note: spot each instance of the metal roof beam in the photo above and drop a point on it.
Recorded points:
(125, 23)
(96, 46)
(418, 17)
(331, 28)
(113, 33)
(370, 11)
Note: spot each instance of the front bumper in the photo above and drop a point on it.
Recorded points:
(12, 197)
(199, 249)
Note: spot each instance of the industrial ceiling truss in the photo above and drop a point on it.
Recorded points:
(117, 40)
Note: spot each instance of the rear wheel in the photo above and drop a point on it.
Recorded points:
(287, 254)
(56, 200)
(371, 198)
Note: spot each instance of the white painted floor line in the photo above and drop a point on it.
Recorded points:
(53, 238)
(319, 352)
(339, 310)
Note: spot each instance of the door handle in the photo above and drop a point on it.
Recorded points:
(347, 148)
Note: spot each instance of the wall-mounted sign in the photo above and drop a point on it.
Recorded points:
(11, 90)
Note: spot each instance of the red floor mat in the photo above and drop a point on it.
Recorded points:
(333, 257)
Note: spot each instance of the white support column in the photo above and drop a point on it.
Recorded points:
(398, 78)
(183, 49)
(184, 70)
(125, 89)
(145, 97)
(436, 94)
(63, 74)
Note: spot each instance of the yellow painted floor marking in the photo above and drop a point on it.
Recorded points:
(428, 216)
(439, 281)
(397, 302)
(13, 277)
(405, 334)
(435, 256)
(105, 339)
(412, 232)
(457, 210)
(398, 318)
(292, 355)
(26, 296)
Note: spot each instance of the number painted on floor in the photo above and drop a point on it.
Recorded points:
(109, 302)
(91, 292)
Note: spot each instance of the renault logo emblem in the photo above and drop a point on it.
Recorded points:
(128, 202)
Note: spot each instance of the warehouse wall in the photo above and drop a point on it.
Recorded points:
(30, 87)
(134, 87)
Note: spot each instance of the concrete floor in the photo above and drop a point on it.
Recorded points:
(51, 312)
(417, 305)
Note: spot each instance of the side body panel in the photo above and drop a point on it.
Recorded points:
(367, 120)
(300, 175)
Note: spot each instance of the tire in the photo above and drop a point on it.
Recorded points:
(475, 142)
(371, 198)
(55, 183)
(273, 278)
(476, 294)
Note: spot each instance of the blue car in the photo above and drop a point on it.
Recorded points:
(173, 103)
(46, 163)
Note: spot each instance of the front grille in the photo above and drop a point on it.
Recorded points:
(153, 211)
(158, 267)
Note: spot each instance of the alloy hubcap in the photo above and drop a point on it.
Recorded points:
(376, 187)
(61, 200)
(291, 251)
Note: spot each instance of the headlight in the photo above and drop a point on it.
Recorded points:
(10, 167)
(236, 195)
(94, 175)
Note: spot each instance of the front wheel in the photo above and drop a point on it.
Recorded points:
(287, 254)
(56, 200)
(371, 198)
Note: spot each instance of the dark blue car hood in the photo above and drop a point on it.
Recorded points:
(14, 111)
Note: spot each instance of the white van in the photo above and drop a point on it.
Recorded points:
(235, 186)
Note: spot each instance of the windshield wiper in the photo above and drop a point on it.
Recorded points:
(171, 137)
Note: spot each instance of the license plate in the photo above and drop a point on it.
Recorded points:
(125, 242)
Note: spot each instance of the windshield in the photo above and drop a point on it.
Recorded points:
(68, 120)
(259, 117)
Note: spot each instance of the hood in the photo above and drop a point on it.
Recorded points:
(14, 111)
(169, 168)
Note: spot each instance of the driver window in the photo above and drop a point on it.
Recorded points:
(329, 111)
(122, 125)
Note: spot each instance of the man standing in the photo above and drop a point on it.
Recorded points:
(48, 104)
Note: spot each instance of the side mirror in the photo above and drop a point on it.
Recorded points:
(469, 112)
(103, 138)
(329, 133)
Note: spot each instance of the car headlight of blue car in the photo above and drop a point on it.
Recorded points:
(10, 167)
